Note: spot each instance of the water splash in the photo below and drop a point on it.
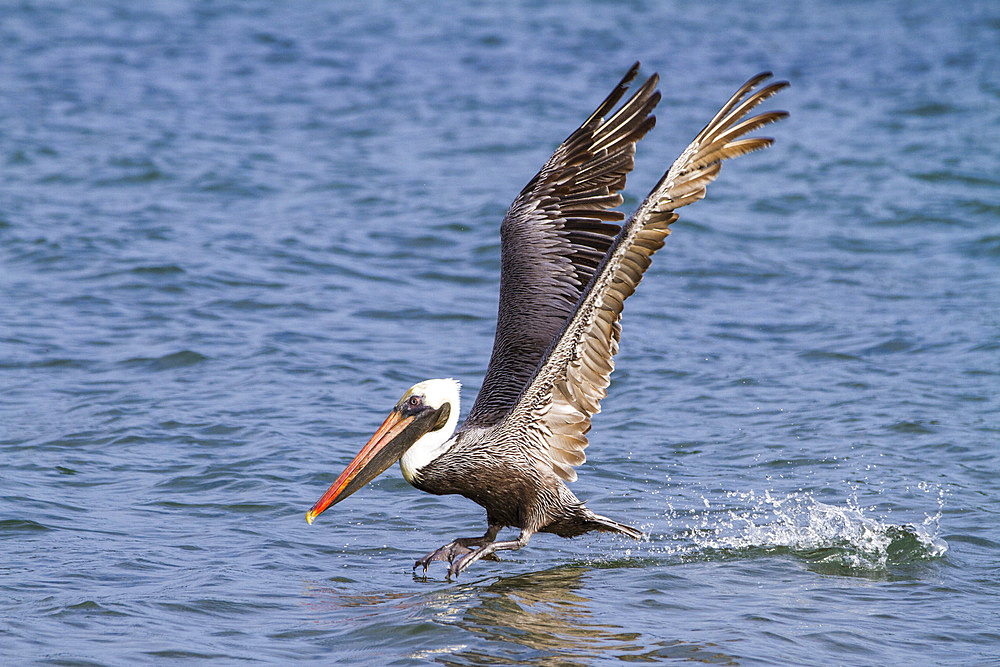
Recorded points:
(839, 536)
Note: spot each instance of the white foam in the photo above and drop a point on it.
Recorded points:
(845, 534)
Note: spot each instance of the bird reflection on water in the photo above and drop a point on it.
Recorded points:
(544, 618)
(538, 618)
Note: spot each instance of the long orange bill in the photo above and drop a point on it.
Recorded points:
(387, 446)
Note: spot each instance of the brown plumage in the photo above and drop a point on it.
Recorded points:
(554, 236)
(566, 271)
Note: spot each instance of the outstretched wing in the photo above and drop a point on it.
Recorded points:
(554, 236)
(554, 412)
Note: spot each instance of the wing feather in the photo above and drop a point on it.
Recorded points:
(552, 416)
(553, 238)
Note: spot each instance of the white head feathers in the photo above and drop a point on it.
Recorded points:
(435, 443)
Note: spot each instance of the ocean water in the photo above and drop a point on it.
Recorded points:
(232, 234)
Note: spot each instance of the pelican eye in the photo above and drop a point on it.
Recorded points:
(413, 402)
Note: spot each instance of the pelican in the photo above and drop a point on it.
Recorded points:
(566, 270)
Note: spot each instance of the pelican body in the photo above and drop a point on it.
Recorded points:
(566, 270)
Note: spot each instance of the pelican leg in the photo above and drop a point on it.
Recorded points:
(458, 548)
(486, 551)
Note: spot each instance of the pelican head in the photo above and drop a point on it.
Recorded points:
(414, 433)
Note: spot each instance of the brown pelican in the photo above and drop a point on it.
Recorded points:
(566, 270)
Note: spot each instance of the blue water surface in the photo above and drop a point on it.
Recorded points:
(233, 233)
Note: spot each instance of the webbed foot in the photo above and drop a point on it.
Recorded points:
(460, 550)
(446, 553)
